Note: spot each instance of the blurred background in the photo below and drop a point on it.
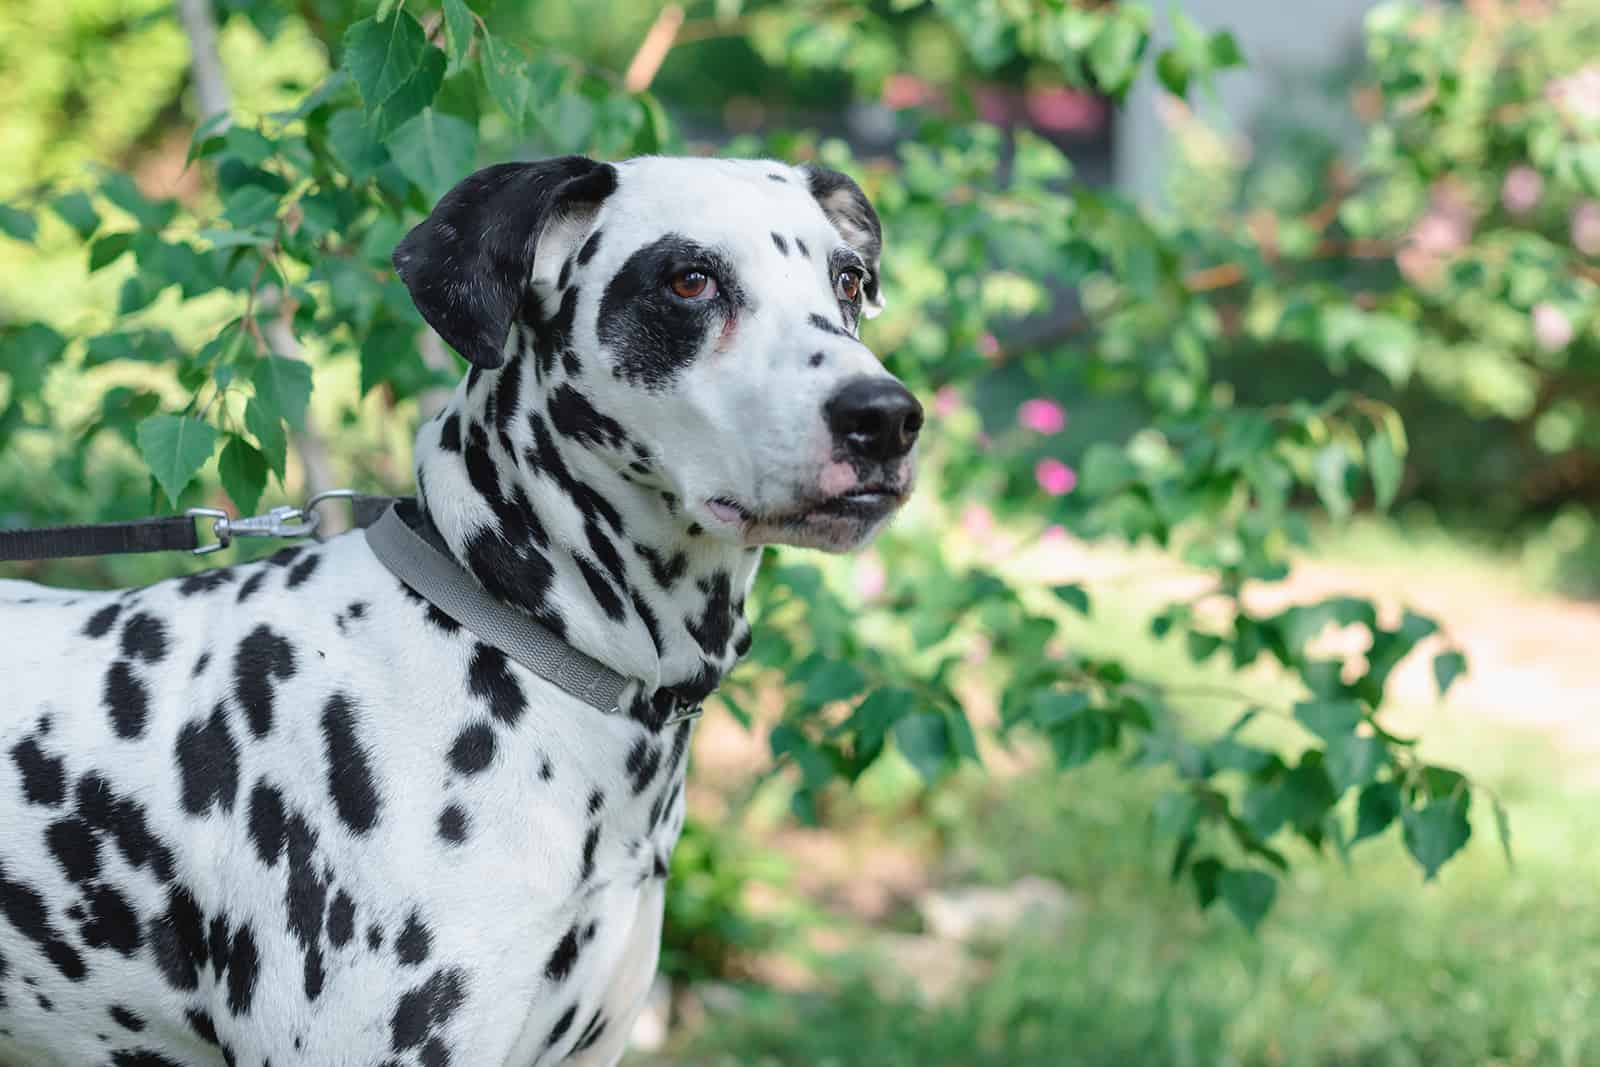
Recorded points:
(1260, 346)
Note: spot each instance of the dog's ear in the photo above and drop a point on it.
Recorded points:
(468, 264)
(851, 213)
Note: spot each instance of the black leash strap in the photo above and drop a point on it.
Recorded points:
(169, 533)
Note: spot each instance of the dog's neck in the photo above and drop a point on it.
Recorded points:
(556, 511)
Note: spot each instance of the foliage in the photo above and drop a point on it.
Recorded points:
(233, 307)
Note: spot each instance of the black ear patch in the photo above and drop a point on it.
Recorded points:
(468, 263)
(852, 214)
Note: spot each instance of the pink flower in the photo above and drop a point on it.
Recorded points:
(989, 346)
(871, 578)
(1551, 327)
(1586, 228)
(947, 401)
(1053, 535)
(1055, 477)
(1041, 416)
(977, 522)
(1521, 190)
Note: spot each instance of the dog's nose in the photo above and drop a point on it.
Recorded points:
(874, 418)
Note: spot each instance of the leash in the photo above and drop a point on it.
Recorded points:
(391, 526)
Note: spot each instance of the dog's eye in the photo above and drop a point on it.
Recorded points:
(693, 285)
(848, 285)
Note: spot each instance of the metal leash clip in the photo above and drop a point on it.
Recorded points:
(285, 520)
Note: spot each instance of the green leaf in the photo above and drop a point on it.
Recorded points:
(520, 87)
(434, 150)
(814, 766)
(1386, 466)
(175, 447)
(247, 145)
(1329, 719)
(1248, 893)
(268, 429)
(1502, 827)
(1225, 51)
(383, 56)
(458, 27)
(1079, 739)
(14, 222)
(152, 215)
(1328, 470)
(1436, 832)
(1114, 55)
(924, 740)
(27, 356)
(1073, 595)
(1173, 72)
(1205, 874)
(351, 138)
(1447, 667)
(77, 210)
(108, 249)
(283, 387)
(834, 680)
(1355, 761)
(243, 471)
(249, 206)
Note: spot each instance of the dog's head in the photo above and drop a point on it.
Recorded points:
(710, 307)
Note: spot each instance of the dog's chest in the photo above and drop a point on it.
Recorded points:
(293, 814)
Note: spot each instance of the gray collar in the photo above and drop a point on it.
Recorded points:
(448, 586)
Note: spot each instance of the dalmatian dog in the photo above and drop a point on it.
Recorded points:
(291, 813)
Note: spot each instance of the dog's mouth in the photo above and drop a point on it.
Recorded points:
(829, 518)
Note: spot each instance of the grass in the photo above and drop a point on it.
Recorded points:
(1363, 966)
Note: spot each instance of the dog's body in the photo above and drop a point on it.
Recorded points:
(290, 813)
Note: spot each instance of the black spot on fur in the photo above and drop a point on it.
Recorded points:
(435, 1053)
(178, 939)
(125, 1018)
(590, 247)
(816, 359)
(141, 1058)
(144, 637)
(123, 818)
(100, 622)
(571, 363)
(263, 656)
(489, 677)
(450, 433)
(374, 937)
(29, 916)
(600, 588)
(266, 823)
(301, 572)
(205, 581)
(644, 759)
(112, 922)
(783, 246)
(76, 849)
(453, 824)
(507, 393)
(647, 616)
(827, 327)
(415, 941)
(715, 625)
(201, 1024)
(590, 841)
(208, 764)
(547, 771)
(652, 335)
(44, 779)
(427, 1008)
(592, 1032)
(597, 800)
(801, 245)
(201, 664)
(666, 572)
(244, 968)
(126, 699)
(252, 584)
(473, 748)
(574, 416)
(777, 178)
(559, 966)
(341, 919)
(356, 610)
(350, 780)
